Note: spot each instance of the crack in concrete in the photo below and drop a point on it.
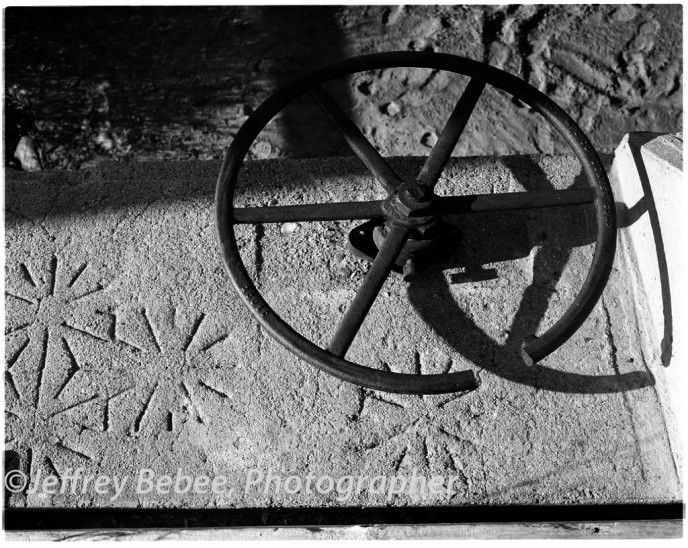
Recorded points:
(613, 351)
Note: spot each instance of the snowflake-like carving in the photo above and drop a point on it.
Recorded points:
(57, 327)
(422, 433)
(177, 367)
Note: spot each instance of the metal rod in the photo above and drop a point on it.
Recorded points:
(441, 152)
(479, 203)
(373, 282)
(355, 139)
(337, 211)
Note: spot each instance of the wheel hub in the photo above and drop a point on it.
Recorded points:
(410, 206)
(412, 200)
(366, 239)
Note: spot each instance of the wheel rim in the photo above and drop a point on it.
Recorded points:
(534, 348)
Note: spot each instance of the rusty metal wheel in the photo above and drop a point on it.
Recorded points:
(409, 221)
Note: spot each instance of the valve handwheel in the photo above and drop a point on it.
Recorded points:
(408, 224)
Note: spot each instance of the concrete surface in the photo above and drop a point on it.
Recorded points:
(648, 182)
(161, 83)
(127, 349)
(509, 531)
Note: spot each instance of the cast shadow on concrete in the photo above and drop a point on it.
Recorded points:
(647, 205)
(306, 132)
(162, 73)
(490, 238)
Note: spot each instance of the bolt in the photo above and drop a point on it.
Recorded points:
(413, 199)
(415, 193)
(410, 270)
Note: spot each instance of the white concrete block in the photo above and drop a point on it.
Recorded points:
(647, 178)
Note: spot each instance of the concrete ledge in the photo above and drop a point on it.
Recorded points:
(127, 349)
(647, 178)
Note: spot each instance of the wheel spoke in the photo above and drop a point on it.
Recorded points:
(338, 211)
(441, 152)
(479, 203)
(373, 282)
(355, 139)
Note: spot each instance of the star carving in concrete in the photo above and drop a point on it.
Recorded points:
(57, 334)
(179, 369)
(429, 434)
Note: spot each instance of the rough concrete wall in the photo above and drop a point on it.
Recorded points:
(163, 83)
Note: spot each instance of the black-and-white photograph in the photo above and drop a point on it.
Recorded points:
(359, 272)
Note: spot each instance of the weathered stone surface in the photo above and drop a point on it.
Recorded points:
(177, 83)
(127, 349)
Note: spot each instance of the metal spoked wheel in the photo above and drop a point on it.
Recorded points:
(408, 224)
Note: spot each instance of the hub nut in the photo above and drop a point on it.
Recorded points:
(413, 200)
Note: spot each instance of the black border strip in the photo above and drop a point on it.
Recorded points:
(29, 519)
